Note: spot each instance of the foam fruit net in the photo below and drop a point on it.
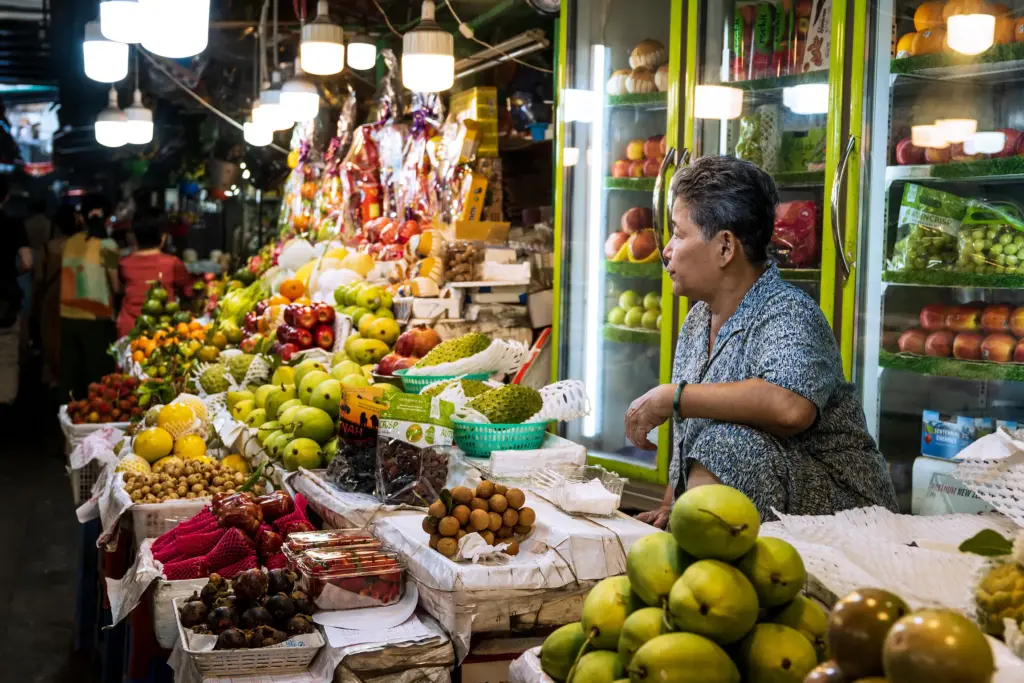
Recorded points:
(563, 401)
(501, 356)
(993, 468)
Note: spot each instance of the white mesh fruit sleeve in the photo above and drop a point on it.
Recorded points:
(993, 468)
(563, 401)
(501, 356)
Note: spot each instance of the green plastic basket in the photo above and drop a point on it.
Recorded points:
(414, 384)
(478, 440)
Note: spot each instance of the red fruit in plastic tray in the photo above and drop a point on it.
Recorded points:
(196, 568)
(268, 542)
(328, 538)
(233, 570)
(232, 547)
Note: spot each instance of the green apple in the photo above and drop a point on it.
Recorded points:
(652, 302)
(616, 316)
(629, 299)
(650, 320)
(634, 317)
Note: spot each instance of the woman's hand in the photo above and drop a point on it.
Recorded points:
(647, 412)
(657, 518)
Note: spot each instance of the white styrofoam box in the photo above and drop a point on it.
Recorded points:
(499, 255)
(937, 492)
(541, 307)
(505, 272)
(498, 295)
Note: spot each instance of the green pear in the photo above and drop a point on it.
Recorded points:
(242, 409)
(344, 369)
(256, 418)
(283, 375)
(305, 367)
(327, 397)
(236, 397)
(261, 395)
(309, 383)
(285, 392)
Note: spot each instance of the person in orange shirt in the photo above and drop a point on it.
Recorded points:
(146, 265)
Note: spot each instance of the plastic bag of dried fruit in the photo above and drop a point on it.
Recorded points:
(413, 445)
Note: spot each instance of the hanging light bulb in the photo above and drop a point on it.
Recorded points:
(121, 20)
(971, 34)
(256, 135)
(139, 122)
(806, 98)
(322, 48)
(928, 136)
(270, 112)
(111, 124)
(362, 52)
(428, 55)
(717, 102)
(300, 97)
(175, 28)
(957, 130)
(105, 60)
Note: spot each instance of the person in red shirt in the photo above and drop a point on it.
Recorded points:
(148, 263)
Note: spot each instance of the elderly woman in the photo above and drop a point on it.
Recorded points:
(759, 400)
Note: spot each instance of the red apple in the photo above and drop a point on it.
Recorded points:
(967, 346)
(636, 169)
(933, 155)
(642, 247)
(635, 150)
(652, 147)
(1020, 146)
(907, 153)
(652, 167)
(933, 317)
(663, 148)
(1013, 138)
(963, 318)
(636, 219)
(391, 362)
(1017, 322)
(996, 318)
(303, 338)
(613, 246)
(288, 351)
(912, 341)
(998, 348)
(939, 344)
(957, 153)
(620, 169)
(1018, 353)
(417, 341)
(323, 336)
(305, 318)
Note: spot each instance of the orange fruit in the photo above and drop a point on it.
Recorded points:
(996, 9)
(138, 356)
(182, 329)
(929, 15)
(278, 300)
(292, 288)
(1018, 31)
(195, 325)
(954, 7)
(302, 300)
(1004, 30)
(906, 44)
(929, 42)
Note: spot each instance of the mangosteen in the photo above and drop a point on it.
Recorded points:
(194, 597)
(209, 593)
(280, 607)
(302, 601)
(268, 635)
(299, 624)
(225, 600)
(250, 585)
(231, 639)
(221, 619)
(202, 630)
(193, 612)
(281, 581)
(256, 616)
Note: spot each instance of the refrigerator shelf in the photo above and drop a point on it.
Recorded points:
(632, 184)
(779, 82)
(989, 170)
(799, 180)
(996, 63)
(949, 278)
(631, 335)
(651, 100)
(951, 367)
(647, 271)
(800, 274)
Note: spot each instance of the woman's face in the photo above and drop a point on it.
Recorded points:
(692, 263)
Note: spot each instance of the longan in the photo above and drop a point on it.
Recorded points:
(462, 494)
(430, 524)
(448, 547)
(487, 536)
(498, 503)
(479, 504)
(485, 490)
(434, 538)
(437, 509)
(510, 518)
(516, 498)
(494, 522)
(478, 520)
(513, 547)
(505, 532)
(461, 513)
(462, 532)
(527, 516)
(500, 488)
(449, 526)
(521, 529)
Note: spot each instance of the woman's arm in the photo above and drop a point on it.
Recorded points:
(659, 516)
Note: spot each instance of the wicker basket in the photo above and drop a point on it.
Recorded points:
(478, 440)
(152, 520)
(263, 661)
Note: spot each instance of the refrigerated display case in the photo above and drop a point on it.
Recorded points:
(942, 235)
(620, 94)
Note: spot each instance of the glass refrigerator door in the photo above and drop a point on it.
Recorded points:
(618, 98)
(943, 241)
(763, 93)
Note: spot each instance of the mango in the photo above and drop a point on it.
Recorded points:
(559, 650)
(715, 522)
(715, 600)
(605, 610)
(682, 658)
(653, 565)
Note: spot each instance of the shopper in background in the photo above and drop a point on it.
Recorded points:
(758, 398)
(88, 281)
(67, 222)
(15, 259)
(146, 265)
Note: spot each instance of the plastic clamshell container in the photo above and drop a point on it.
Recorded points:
(352, 578)
(303, 541)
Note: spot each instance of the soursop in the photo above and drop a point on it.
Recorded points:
(510, 404)
(455, 349)
(215, 379)
(1000, 595)
(470, 387)
(239, 365)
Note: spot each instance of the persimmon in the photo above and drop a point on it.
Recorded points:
(292, 288)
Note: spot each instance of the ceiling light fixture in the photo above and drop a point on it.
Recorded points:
(256, 135)
(428, 55)
(175, 28)
(105, 60)
(270, 113)
(362, 52)
(139, 125)
(971, 34)
(300, 97)
(111, 126)
(717, 102)
(322, 47)
(120, 20)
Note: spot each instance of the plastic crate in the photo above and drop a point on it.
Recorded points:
(415, 384)
(82, 481)
(478, 440)
(152, 520)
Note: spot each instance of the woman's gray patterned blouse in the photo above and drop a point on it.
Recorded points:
(778, 334)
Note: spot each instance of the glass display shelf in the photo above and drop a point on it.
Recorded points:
(1001, 168)
(632, 184)
(631, 335)
(949, 278)
(651, 100)
(951, 367)
(647, 271)
(997, 63)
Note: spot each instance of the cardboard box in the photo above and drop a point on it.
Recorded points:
(474, 192)
(488, 232)
(937, 492)
(541, 307)
(944, 436)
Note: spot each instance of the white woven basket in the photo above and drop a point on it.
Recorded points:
(163, 595)
(152, 520)
(265, 661)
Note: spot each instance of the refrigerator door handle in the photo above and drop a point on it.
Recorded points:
(659, 182)
(837, 183)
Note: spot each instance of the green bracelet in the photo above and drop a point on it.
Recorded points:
(675, 401)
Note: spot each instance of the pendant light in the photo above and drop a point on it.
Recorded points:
(121, 20)
(717, 102)
(105, 60)
(300, 98)
(256, 135)
(322, 48)
(428, 55)
(139, 125)
(362, 52)
(971, 34)
(270, 113)
(175, 28)
(111, 124)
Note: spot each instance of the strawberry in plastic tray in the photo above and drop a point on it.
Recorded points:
(352, 578)
(299, 542)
